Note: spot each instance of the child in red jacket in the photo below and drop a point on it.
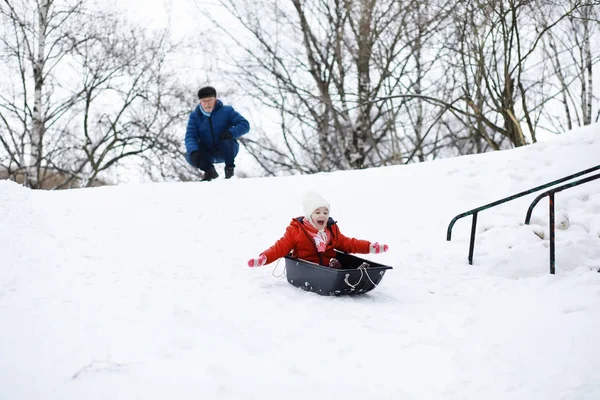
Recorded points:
(315, 237)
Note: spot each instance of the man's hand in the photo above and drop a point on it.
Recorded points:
(195, 158)
(226, 135)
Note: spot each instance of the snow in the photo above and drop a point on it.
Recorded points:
(142, 291)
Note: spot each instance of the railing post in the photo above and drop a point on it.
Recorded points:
(472, 245)
(552, 260)
(556, 190)
(551, 193)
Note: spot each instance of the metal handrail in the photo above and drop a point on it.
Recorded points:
(504, 200)
(550, 193)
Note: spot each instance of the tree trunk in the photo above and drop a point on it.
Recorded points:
(356, 150)
(419, 91)
(587, 111)
(38, 128)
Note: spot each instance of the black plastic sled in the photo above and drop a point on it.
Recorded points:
(352, 278)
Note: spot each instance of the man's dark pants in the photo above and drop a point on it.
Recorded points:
(226, 153)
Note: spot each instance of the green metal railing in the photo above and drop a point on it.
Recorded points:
(551, 193)
(475, 211)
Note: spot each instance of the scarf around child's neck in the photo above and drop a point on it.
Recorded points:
(320, 236)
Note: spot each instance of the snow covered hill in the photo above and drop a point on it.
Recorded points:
(142, 291)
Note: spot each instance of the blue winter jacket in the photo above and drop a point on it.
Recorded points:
(203, 131)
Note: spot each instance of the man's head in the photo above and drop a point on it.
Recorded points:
(316, 210)
(207, 97)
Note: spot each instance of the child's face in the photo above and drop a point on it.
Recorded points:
(319, 217)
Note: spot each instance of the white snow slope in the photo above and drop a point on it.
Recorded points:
(143, 292)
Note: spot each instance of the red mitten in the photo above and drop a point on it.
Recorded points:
(378, 248)
(257, 262)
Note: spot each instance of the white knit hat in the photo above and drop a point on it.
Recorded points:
(311, 202)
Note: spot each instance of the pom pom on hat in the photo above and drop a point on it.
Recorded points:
(311, 202)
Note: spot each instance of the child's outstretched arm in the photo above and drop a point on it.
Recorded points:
(352, 245)
(378, 248)
(281, 248)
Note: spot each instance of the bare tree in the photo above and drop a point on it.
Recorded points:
(36, 46)
(420, 76)
(130, 103)
(572, 53)
(493, 60)
(104, 92)
(492, 54)
(321, 64)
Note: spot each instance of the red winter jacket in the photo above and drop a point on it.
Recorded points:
(298, 240)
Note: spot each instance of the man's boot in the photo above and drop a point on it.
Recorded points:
(228, 172)
(210, 174)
